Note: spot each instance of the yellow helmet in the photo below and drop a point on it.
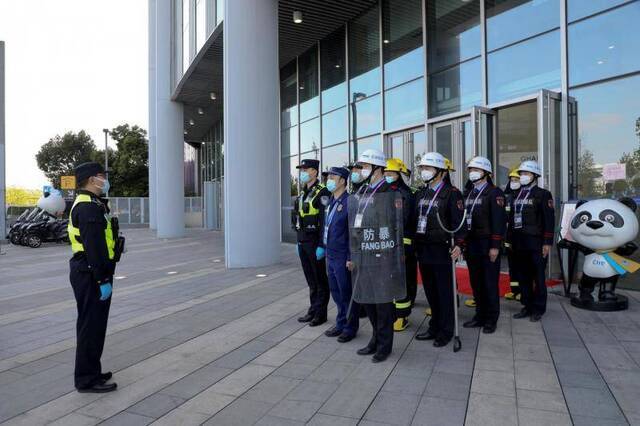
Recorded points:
(396, 165)
(449, 165)
(514, 172)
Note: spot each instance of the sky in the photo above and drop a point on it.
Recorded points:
(70, 65)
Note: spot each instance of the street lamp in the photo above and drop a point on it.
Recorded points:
(106, 155)
(354, 112)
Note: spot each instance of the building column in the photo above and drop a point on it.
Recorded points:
(3, 182)
(169, 136)
(152, 115)
(251, 117)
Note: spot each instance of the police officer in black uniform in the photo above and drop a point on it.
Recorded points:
(432, 244)
(486, 225)
(532, 220)
(308, 221)
(96, 249)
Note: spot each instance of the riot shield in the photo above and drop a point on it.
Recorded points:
(377, 250)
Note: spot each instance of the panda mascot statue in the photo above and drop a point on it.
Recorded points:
(604, 230)
(52, 202)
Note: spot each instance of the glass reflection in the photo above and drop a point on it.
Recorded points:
(186, 36)
(288, 95)
(444, 140)
(201, 23)
(518, 136)
(602, 46)
(332, 63)
(335, 127)
(609, 139)
(335, 156)
(520, 69)
(509, 21)
(364, 53)
(577, 9)
(308, 81)
(453, 32)
(289, 141)
(367, 116)
(455, 89)
(219, 11)
(402, 41)
(372, 142)
(404, 105)
(310, 135)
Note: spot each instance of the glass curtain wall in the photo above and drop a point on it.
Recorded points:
(186, 34)
(288, 144)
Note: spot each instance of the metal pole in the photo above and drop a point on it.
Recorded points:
(106, 155)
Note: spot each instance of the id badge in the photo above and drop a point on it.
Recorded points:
(422, 225)
(357, 223)
(517, 221)
(469, 223)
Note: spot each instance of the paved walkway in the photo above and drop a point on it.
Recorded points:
(192, 343)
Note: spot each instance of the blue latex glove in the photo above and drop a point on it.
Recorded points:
(298, 248)
(320, 253)
(105, 291)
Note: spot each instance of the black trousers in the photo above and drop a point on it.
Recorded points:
(91, 327)
(382, 316)
(513, 272)
(403, 306)
(437, 281)
(484, 276)
(315, 271)
(531, 272)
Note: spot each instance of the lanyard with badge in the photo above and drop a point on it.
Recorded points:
(357, 223)
(422, 220)
(473, 206)
(332, 212)
(517, 216)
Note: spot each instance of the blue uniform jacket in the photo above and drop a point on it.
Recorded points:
(338, 228)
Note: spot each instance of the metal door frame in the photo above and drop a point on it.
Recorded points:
(407, 144)
(457, 142)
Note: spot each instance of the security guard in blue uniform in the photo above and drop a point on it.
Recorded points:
(486, 226)
(307, 219)
(432, 244)
(96, 248)
(532, 219)
(336, 242)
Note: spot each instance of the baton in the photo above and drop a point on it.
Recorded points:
(457, 344)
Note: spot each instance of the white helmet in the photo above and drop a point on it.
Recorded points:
(374, 157)
(433, 159)
(530, 166)
(481, 163)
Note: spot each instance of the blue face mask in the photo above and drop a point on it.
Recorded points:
(105, 185)
(331, 185)
(304, 177)
(356, 177)
(390, 179)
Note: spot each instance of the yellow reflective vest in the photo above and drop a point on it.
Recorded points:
(74, 233)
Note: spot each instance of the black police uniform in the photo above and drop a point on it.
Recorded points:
(403, 306)
(93, 263)
(308, 221)
(381, 315)
(432, 247)
(535, 207)
(486, 226)
(514, 282)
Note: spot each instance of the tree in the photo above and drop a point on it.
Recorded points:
(129, 175)
(587, 175)
(62, 154)
(22, 197)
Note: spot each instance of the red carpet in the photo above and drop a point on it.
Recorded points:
(464, 285)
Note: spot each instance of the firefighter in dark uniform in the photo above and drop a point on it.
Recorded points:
(308, 219)
(432, 244)
(486, 225)
(393, 175)
(96, 248)
(381, 315)
(532, 219)
(510, 192)
(336, 242)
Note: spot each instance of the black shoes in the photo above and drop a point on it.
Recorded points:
(379, 358)
(427, 335)
(489, 328)
(522, 314)
(306, 318)
(100, 387)
(332, 332)
(105, 377)
(535, 317)
(366, 351)
(473, 323)
(317, 321)
(440, 342)
(344, 338)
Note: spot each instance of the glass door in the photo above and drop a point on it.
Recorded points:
(455, 140)
(407, 145)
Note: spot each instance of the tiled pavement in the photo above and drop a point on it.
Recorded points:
(192, 343)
